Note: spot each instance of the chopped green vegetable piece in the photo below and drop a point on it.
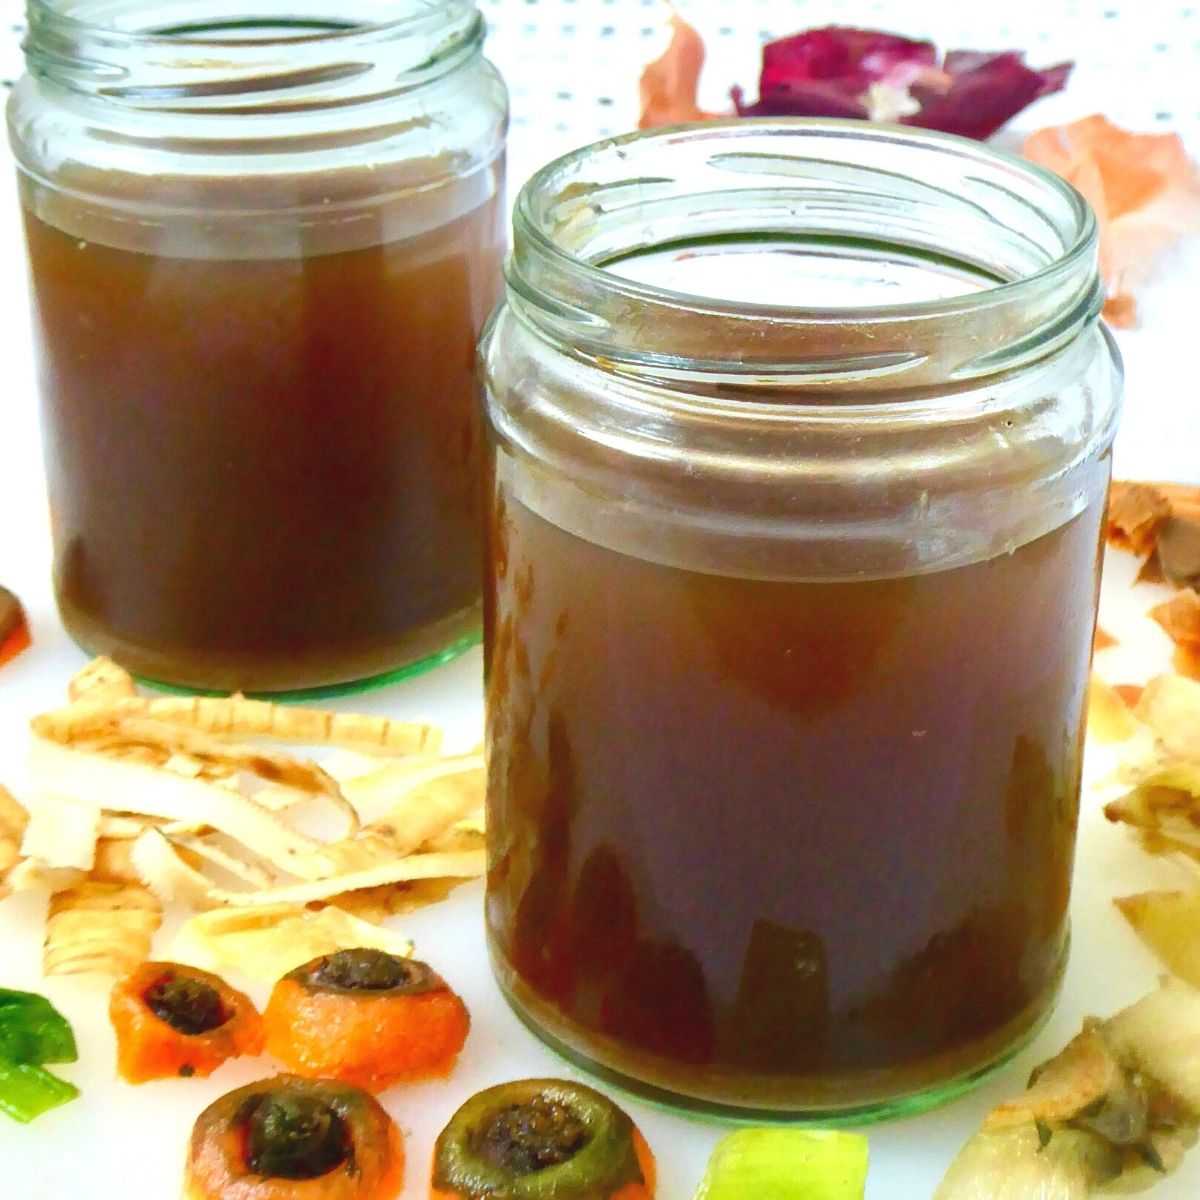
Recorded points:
(32, 1030)
(787, 1164)
(27, 1091)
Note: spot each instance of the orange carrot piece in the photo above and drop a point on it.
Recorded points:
(372, 1040)
(150, 1047)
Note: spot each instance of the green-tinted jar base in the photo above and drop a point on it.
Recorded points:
(331, 691)
(910, 1104)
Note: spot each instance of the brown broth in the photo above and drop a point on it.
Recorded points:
(791, 845)
(264, 471)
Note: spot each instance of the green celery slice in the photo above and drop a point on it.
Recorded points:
(32, 1030)
(27, 1091)
(787, 1164)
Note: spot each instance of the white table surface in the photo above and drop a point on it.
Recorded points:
(1138, 62)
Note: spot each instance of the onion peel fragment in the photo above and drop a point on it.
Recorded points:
(1144, 189)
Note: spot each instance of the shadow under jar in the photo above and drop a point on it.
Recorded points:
(263, 239)
(801, 441)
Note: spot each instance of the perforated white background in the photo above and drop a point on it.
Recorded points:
(573, 65)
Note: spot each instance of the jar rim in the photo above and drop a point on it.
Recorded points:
(555, 284)
(425, 16)
(291, 52)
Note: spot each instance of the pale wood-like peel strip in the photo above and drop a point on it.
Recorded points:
(31, 875)
(101, 730)
(162, 868)
(114, 862)
(236, 717)
(13, 820)
(62, 832)
(395, 791)
(275, 794)
(125, 825)
(268, 942)
(102, 928)
(230, 858)
(122, 785)
(422, 803)
(102, 681)
(395, 899)
(466, 865)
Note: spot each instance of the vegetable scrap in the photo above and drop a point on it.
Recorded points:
(266, 943)
(366, 1017)
(1160, 523)
(1162, 763)
(32, 1030)
(174, 1020)
(1136, 513)
(1179, 618)
(838, 72)
(669, 85)
(1145, 191)
(1115, 1111)
(99, 928)
(139, 802)
(1168, 922)
(538, 1138)
(28, 1090)
(13, 822)
(866, 74)
(787, 1164)
(32, 1033)
(287, 1137)
(14, 627)
(1109, 716)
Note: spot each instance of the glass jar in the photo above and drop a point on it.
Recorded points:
(801, 440)
(263, 240)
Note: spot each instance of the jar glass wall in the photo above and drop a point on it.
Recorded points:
(263, 240)
(801, 441)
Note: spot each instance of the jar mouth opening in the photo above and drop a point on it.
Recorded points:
(900, 234)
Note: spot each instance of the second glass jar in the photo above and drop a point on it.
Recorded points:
(801, 445)
(262, 244)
